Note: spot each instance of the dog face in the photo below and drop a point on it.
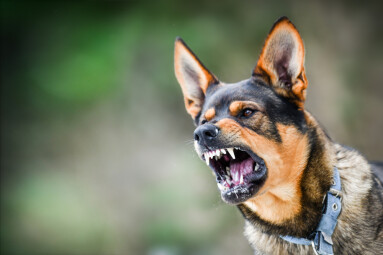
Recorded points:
(253, 133)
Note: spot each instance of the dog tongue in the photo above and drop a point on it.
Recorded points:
(240, 168)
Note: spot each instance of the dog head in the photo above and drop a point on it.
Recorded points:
(252, 133)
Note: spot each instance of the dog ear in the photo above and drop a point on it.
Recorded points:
(281, 63)
(193, 77)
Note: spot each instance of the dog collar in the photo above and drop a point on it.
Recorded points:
(320, 239)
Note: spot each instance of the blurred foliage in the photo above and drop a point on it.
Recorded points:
(96, 150)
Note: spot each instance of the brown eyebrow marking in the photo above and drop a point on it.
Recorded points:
(209, 114)
(237, 106)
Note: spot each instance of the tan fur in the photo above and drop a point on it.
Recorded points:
(284, 33)
(193, 93)
(299, 163)
(237, 106)
(356, 183)
(279, 198)
(209, 114)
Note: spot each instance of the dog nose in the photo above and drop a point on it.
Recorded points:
(205, 133)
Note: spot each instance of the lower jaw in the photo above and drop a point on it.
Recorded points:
(240, 193)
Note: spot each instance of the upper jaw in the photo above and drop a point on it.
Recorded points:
(217, 153)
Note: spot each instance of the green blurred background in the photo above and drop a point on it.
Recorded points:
(96, 147)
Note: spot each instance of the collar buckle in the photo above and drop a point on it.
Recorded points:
(336, 193)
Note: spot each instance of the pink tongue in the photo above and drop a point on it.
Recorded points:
(241, 168)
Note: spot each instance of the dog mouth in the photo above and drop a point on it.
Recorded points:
(239, 172)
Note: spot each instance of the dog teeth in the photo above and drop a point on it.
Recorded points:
(241, 179)
(256, 167)
(224, 186)
(235, 177)
(218, 153)
(231, 152)
(220, 186)
(207, 159)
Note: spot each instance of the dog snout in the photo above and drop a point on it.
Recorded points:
(206, 133)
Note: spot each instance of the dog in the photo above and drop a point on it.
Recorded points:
(299, 192)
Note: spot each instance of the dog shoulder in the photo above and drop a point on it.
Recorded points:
(361, 219)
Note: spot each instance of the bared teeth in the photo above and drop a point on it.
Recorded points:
(235, 177)
(218, 153)
(224, 186)
(256, 167)
(228, 176)
(220, 186)
(231, 152)
(207, 159)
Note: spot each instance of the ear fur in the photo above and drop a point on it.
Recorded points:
(281, 63)
(193, 77)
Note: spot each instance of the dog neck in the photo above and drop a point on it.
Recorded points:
(294, 207)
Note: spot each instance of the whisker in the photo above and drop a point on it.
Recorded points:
(190, 141)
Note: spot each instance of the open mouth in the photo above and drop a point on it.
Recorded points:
(239, 172)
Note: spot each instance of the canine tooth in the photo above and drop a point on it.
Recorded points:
(256, 167)
(241, 179)
(223, 151)
(220, 186)
(231, 152)
(218, 152)
(228, 170)
(235, 177)
(207, 159)
(228, 181)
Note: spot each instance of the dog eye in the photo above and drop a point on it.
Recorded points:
(203, 122)
(247, 112)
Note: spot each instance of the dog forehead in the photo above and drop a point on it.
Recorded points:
(223, 94)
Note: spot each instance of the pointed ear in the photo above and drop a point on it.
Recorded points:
(281, 63)
(193, 77)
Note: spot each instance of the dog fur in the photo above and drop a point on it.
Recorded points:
(265, 115)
